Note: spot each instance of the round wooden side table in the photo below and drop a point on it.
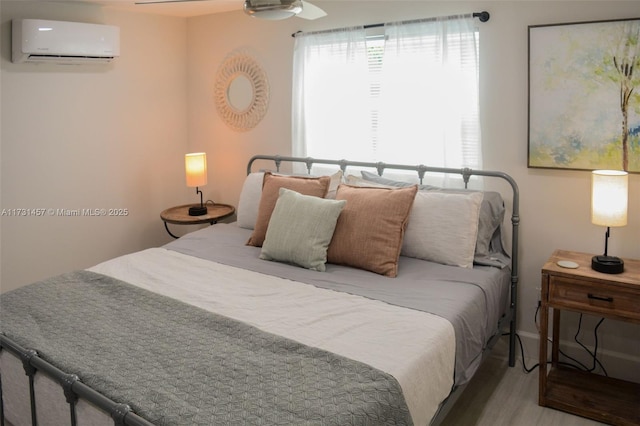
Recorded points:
(179, 215)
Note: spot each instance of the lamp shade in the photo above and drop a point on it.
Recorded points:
(609, 197)
(195, 165)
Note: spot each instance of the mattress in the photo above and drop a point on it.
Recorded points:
(472, 300)
(426, 327)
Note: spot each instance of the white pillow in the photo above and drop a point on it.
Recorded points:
(336, 180)
(247, 211)
(358, 181)
(443, 228)
(250, 200)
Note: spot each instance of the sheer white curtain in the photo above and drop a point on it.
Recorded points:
(408, 97)
(429, 93)
(330, 95)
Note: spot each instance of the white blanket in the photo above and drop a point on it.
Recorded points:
(417, 348)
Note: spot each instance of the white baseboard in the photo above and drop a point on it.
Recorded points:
(617, 364)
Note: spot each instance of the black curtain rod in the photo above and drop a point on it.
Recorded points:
(482, 16)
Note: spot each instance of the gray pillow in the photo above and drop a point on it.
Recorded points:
(489, 221)
(300, 229)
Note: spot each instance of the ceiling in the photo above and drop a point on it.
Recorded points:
(181, 8)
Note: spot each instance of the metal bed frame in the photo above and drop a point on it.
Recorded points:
(466, 173)
(122, 415)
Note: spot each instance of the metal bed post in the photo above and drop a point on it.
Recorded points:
(515, 222)
(515, 225)
(72, 398)
(119, 413)
(30, 371)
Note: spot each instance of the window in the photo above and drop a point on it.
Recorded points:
(408, 94)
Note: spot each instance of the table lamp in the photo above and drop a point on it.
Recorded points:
(196, 167)
(609, 190)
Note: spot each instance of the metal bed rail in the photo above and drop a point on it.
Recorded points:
(421, 169)
(72, 387)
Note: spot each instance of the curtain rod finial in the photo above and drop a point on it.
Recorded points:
(483, 16)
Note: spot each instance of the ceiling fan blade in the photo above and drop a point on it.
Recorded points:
(311, 11)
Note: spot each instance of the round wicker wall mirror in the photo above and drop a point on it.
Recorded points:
(241, 92)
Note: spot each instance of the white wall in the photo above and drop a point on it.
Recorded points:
(555, 209)
(87, 136)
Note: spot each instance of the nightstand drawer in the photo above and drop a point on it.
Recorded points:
(597, 298)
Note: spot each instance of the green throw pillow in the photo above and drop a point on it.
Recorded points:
(300, 229)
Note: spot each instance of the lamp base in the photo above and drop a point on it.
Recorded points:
(197, 210)
(607, 264)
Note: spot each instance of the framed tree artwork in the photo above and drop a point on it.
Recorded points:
(584, 95)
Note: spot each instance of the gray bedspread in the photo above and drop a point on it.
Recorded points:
(176, 364)
(472, 300)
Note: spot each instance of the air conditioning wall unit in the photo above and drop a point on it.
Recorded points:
(60, 42)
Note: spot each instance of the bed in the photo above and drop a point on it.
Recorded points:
(345, 298)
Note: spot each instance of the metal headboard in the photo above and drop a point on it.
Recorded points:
(466, 173)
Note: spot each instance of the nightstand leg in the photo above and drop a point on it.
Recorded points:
(544, 332)
(555, 344)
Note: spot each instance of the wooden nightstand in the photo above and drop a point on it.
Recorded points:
(615, 296)
(180, 215)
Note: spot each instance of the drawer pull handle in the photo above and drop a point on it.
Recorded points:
(604, 299)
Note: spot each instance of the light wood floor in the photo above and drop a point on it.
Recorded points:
(502, 396)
